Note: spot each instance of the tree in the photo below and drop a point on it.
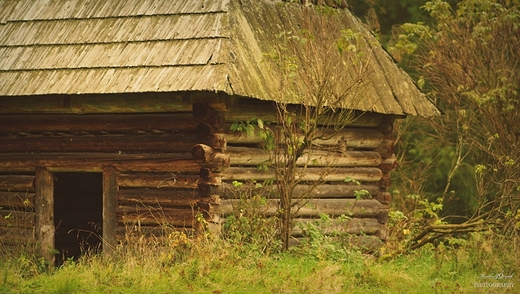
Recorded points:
(469, 61)
(324, 68)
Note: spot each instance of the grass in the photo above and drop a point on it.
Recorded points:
(219, 266)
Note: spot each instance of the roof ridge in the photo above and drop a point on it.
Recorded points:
(112, 17)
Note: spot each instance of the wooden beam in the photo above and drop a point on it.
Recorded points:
(218, 101)
(44, 207)
(385, 181)
(245, 156)
(229, 191)
(108, 103)
(171, 122)
(136, 216)
(384, 197)
(210, 158)
(266, 111)
(362, 174)
(17, 219)
(158, 180)
(365, 243)
(94, 162)
(180, 142)
(109, 209)
(365, 138)
(18, 200)
(387, 125)
(155, 197)
(366, 208)
(386, 148)
(388, 164)
(366, 226)
(203, 113)
(18, 237)
(17, 183)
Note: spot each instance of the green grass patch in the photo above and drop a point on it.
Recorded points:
(217, 266)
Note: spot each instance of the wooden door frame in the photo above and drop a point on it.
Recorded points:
(44, 208)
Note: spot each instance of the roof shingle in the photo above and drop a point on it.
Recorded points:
(133, 46)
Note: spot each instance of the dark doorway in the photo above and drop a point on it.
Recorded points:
(78, 214)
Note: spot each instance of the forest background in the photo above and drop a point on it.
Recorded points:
(460, 168)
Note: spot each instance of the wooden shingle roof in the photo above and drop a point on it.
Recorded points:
(136, 46)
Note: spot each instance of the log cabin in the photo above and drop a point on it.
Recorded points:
(115, 120)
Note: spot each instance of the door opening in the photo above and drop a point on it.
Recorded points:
(78, 214)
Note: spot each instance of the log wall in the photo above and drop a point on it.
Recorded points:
(141, 143)
(17, 213)
(151, 204)
(164, 170)
(362, 152)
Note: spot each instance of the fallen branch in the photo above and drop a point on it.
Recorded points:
(439, 231)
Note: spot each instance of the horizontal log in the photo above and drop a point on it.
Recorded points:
(382, 217)
(210, 181)
(126, 232)
(345, 159)
(209, 177)
(382, 234)
(16, 183)
(384, 197)
(205, 130)
(228, 191)
(385, 181)
(171, 122)
(366, 226)
(203, 153)
(155, 197)
(157, 180)
(214, 137)
(84, 104)
(217, 141)
(244, 156)
(207, 173)
(180, 142)
(17, 219)
(388, 164)
(338, 207)
(387, 125)
(365, 243)
(336, 191)
(311, 208)
(362, 174)
(17, 200)
(131, 216)
(217, 101)
(210, 158)
(267, 112)
(15, 236)
(386, 148)
(235, 137)
(363, 138)
(247, 156)
(94, 162)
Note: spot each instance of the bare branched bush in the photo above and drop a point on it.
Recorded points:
(324, 66)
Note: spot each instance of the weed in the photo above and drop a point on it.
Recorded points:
(250, 226)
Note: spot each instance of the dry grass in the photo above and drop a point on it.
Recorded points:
(218, 266)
